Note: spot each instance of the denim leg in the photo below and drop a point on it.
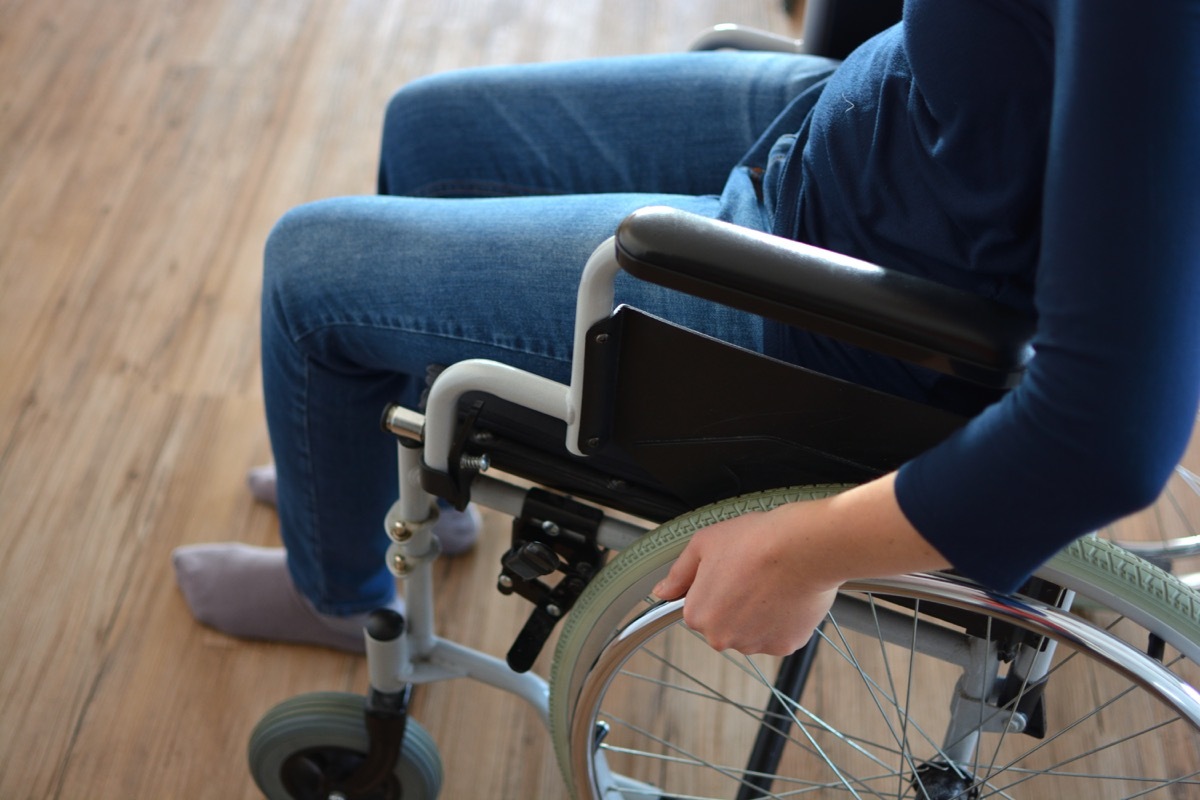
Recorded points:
(361, 294)
(662, 124)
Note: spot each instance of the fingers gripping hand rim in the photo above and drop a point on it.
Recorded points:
(625, 584)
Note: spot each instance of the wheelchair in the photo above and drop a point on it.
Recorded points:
(917, 686)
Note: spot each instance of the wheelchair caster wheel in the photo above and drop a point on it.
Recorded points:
(307, 746)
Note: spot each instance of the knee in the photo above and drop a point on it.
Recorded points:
(411, 102)
(326, 261)
(291, 245)
(297, 260)
(429, 105)
(426, 126)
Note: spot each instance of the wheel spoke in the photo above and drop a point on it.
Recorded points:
(1054, 769)
(811, 746)
(874, 690)
(802, 786)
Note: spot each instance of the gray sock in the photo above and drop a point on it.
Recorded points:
(261, 481)
(457, 531)
(247, 592)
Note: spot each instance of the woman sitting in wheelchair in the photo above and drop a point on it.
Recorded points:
(1040, 153)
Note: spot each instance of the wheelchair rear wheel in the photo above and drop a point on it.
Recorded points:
(918, 687)
(304, 746)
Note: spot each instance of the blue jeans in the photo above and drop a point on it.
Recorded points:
(495, 187)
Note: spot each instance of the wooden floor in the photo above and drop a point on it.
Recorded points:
(145, 149)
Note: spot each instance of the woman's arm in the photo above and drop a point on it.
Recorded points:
(1105, 411)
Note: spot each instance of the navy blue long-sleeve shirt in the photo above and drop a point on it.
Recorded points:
(1045, 153)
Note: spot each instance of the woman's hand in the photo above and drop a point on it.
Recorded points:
(762, 582)
(750, 585)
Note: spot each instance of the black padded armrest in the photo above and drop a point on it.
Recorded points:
(890, 312)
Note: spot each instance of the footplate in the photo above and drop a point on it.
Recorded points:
(554, 535)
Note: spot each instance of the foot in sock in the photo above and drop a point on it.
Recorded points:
(456, 530)
(247, 592)
(261, 481)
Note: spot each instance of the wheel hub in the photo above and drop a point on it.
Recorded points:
(319, 773)
(937, 781)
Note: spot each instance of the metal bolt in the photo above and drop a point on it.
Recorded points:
(398, 564)
(475, 463)
(601, 338)
(399, 531)
(553, 610)
(593, 442)
(550, 528)
(505, 582)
